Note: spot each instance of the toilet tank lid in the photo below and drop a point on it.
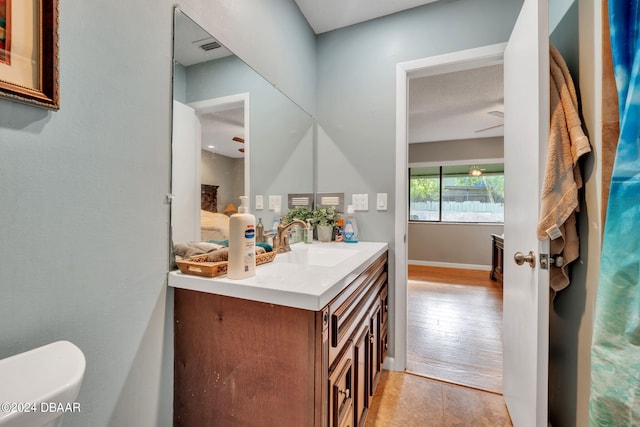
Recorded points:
(42, 374)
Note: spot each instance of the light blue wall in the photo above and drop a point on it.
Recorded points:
(357, 91)
(83, 219)
(281, 144)
(357, 94)
(180, 83)
(272, 36)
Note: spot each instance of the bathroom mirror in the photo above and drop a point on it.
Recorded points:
(232, 130)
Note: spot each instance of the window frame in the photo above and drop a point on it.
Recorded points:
(440, 165)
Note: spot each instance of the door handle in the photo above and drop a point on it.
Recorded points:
(521, 258)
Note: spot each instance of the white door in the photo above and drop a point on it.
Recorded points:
(526, 288)
(185, 175)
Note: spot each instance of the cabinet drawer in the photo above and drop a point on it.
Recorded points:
(345, 313)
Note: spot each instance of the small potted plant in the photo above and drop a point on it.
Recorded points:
(301, 213)
(325, 220)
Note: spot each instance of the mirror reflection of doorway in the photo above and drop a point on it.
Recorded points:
(222, 159)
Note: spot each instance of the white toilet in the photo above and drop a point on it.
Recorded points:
(38, 387)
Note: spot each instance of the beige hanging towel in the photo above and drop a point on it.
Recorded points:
(559, 200)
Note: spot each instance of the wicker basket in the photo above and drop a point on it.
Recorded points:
(199, 266)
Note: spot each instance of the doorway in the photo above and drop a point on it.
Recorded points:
(457, 61)
(225, 120)
(189, 123)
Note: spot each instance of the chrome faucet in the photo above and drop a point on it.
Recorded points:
(281, 238)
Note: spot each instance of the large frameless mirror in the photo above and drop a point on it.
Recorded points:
(234, 133)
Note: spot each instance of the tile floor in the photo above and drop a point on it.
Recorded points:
(406, 400)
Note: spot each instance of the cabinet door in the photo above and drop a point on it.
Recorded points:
(341, 390)
(384, 343)
(375, 351)
(361, 380)
(384, 299)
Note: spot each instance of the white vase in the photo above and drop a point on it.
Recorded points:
(324, 233)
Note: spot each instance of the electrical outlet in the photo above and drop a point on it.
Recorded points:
(259, 202)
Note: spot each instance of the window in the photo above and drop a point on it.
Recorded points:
(452, 194)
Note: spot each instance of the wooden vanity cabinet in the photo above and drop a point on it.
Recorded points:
(356, 328)
(248, 363)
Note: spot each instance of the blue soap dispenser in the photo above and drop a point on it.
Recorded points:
(350, 226)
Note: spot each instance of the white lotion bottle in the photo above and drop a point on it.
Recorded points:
(242, 243)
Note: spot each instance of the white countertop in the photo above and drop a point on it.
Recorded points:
(308, 277)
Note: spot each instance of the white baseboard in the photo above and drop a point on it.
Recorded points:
(389, 364)
(450, 265)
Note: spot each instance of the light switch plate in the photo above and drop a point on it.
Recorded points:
(381, 202)
(275, 203)
(259, 202)
(360, 202)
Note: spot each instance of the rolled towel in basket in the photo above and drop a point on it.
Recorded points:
(222, 254)
(186, 250)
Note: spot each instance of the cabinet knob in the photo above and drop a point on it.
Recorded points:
(371, 339)
(346, 393)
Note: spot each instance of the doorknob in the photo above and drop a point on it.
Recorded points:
(521, 258)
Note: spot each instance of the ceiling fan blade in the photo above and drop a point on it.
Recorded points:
(238, 139)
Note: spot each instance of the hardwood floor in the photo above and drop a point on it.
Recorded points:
(455, 327)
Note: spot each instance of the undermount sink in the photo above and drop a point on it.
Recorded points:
(319, 254)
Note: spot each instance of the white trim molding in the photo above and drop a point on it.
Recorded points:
(450, 265)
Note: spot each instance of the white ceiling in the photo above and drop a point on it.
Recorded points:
(461, 105)
(443, 107)
(189, 38)
(327, 15)
(219, 129)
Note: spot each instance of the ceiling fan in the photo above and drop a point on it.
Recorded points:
(240, 140)
(496, 114)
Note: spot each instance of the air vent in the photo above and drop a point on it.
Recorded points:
(210, 46)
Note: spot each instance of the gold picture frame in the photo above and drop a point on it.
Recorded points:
(29, 60)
